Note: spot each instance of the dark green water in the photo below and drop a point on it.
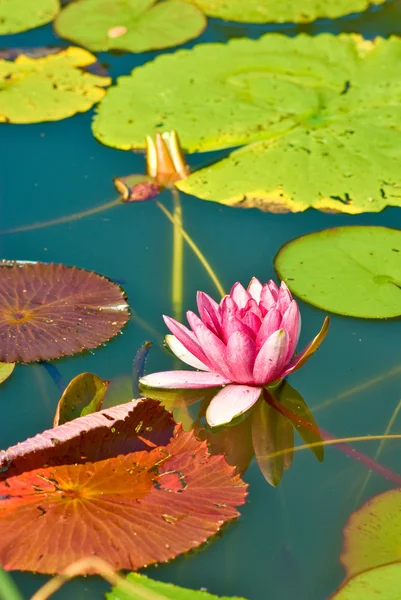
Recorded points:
(287, 542)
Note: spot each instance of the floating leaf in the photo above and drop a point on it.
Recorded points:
(5, 370)
(50, 88)
(352, 270)
(382, 583)
(265, 11)
(83, 396)
(165, 591)
(271, 433)
(296, 410)
(133, 25)
(372, 534)
(20, 15)
(48, 311)
(131, 507)
(321, 117)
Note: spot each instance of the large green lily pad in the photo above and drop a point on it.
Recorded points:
(49, 88)
(320, 119)
(383, 583)
(133, 25)
(353, 271)
(372, 534)
(20, 15)
(281, 11)
(159, 590)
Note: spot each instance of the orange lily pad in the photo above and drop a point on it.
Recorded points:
(125, 484)
(48, 311)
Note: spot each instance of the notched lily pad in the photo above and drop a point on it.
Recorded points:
(319, 118)
(49, 88)
(167, 591)
(20, 15)
(265, 11)
(48, 311)
(83, 395)
(133, 25)
(139, 502)
(353, 270)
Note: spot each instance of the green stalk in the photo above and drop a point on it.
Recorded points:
(8, 589)
(178, 257)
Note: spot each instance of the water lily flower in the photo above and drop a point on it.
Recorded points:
(165, 164)
(245, 343)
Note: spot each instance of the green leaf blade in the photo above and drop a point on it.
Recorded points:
(84, 395)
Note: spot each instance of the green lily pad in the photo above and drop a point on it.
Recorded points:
(372, 534)
(133, 25)
(264, 11)
(161, 591)
(5, 370)
(83, 396)
(320, 118)
(353, 271)
(20, 15)
(382, 583)
(49, 88)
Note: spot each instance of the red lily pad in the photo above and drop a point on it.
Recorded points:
(48, 311)
(111, 485)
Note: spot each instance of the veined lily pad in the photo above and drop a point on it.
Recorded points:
(265, 11)
(352, 270)
(49, 88)
(48, 311)
(133, 25)
(108, 487)
(166, 591)
(372, 534)
(382, 583)
(320, 119)
(20, 15)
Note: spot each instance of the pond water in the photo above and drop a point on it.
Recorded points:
(287, 542)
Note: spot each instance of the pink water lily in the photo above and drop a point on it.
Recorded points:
(243, 344)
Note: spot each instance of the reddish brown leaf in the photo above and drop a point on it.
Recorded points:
(132, 510)
(48, 311)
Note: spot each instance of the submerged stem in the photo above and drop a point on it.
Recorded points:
(102, 568)
(66, 219)
(8, 589)
(178, 257)
(195, 250)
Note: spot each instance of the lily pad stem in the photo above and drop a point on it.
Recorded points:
(178, 257)
(8, 589)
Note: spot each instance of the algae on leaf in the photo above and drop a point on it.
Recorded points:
(167, 591)
(264, 11)
(49, 88)
(133, 25)
(20, 15)
(319, 119)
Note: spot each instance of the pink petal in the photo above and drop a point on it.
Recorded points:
(239, 295)
(183, 354)
(270, 324)
(230, 402)
(284, 298)
(255, 288)
(209, 312)
(186, 337)
(175, 380)
(241, 352)
(211, 345)
(251, 306)
(271, 359)
(298, 361)
(273, 288)
(267, 299)
(292, 324)
(230, 321)
(253, 322)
